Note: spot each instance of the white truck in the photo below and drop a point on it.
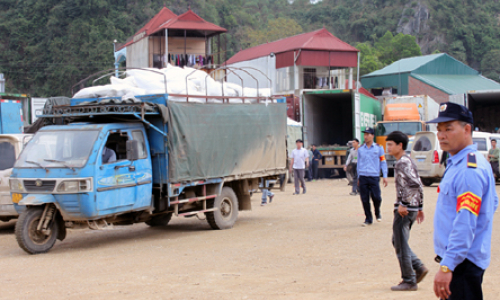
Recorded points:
(11, 146)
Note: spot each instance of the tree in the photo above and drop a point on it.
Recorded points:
(393, 48)
(369, 61)
(276, 29)
(490, 65)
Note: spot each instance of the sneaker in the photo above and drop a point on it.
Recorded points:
(271, 198)
(353, 193)
(366, 224)
(263, 204)
(404, 287)
(379, 219)
(421, 272)
(304, 192)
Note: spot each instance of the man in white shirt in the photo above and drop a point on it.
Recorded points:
(300, 160)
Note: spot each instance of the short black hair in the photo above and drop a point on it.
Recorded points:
(314, 145)
(494, 140)
(399, 138)
(355, 139)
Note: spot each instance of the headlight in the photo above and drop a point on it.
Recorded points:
(75, 186)
(16, 186)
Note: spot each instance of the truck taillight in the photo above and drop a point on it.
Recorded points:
(436, 157)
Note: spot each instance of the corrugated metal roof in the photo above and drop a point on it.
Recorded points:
(405, 65)
(458, 84)
(316, 40)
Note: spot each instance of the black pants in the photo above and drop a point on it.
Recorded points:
(315, 165)
(408, 260)
(466, 282)
(370, 187)
(494, 167)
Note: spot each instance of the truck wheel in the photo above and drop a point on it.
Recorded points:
(160, 220)
(227, 210)
(427, 181)
(29, 238)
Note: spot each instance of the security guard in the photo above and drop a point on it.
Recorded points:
(464, 212)
(371, 159)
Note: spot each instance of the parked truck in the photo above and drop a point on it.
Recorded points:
(171, 158)
(485, 108)
(19, 111)
(407, 114)
(331, 119)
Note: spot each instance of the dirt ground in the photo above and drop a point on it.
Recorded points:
(299, 247)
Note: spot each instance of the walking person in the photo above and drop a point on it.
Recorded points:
(310, 169)
(465, 207)
(315, 162)
(300, 160)
(351, 164)
(265, 186)
(493, 156)
(407, 209)
(371, 160)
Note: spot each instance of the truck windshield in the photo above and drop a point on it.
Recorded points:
(7, 155)
(58, 149)
(409, 128)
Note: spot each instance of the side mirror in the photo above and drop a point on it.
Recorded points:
(132, 150)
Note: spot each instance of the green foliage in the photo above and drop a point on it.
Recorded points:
(490, 65)
(386, 50)
(409, 12)
(276, 29)
(47, 46)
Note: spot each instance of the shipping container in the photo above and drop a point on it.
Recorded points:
(485, 108)
(331, 119)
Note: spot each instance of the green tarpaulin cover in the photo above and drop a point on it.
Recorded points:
(226, 140)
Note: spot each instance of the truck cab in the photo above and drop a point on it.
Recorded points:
(84, 170)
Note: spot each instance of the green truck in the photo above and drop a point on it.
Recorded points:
(331, 118)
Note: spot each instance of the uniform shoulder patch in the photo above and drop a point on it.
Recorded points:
(471, 160)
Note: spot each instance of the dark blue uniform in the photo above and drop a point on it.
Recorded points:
(371, 160)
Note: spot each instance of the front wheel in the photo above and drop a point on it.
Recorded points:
(29, 238)
(226, 213)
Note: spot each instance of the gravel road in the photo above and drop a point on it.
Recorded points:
(299, 247)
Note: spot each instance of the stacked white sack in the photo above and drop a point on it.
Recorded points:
(179, 81)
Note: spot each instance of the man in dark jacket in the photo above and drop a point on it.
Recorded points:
(316, 159)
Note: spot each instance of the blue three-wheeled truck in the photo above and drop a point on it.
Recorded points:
(144, 160)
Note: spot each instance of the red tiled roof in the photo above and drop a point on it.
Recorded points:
(166, 19)
(321, 40)
(163, 16)
(191, 21)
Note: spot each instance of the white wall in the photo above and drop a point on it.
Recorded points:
(37, 105)
(266, 65)
(137, 54)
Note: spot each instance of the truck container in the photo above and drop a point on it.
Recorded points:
(29, 107)
(123, 162)
(485, 108)
(11, 117)
(332, 118)
(407, 114)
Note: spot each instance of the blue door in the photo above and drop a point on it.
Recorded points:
(116, 186)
